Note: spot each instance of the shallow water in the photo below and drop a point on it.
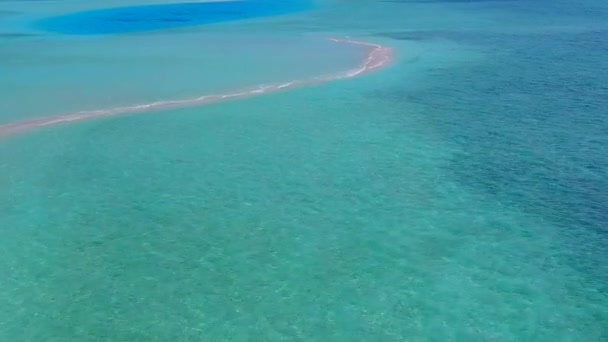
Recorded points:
(457, 195)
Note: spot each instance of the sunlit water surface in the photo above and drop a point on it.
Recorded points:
(458, 195)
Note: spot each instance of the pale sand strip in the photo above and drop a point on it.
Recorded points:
(377, 57)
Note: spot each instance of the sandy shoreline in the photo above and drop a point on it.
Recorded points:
(377, 57)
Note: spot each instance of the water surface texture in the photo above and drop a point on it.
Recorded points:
(457, 195)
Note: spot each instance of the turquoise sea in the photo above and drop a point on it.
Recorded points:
(458, 194)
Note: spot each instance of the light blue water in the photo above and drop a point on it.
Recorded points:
(457, 196)
(51, 74)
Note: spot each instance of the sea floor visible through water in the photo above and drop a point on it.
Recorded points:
(458, 194)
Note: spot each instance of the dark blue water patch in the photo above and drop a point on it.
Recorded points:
(528, 127)
(531, 123)
(159, 17)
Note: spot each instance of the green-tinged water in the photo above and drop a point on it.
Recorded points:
(458, 195)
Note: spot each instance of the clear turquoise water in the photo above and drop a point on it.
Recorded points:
(457, 196)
